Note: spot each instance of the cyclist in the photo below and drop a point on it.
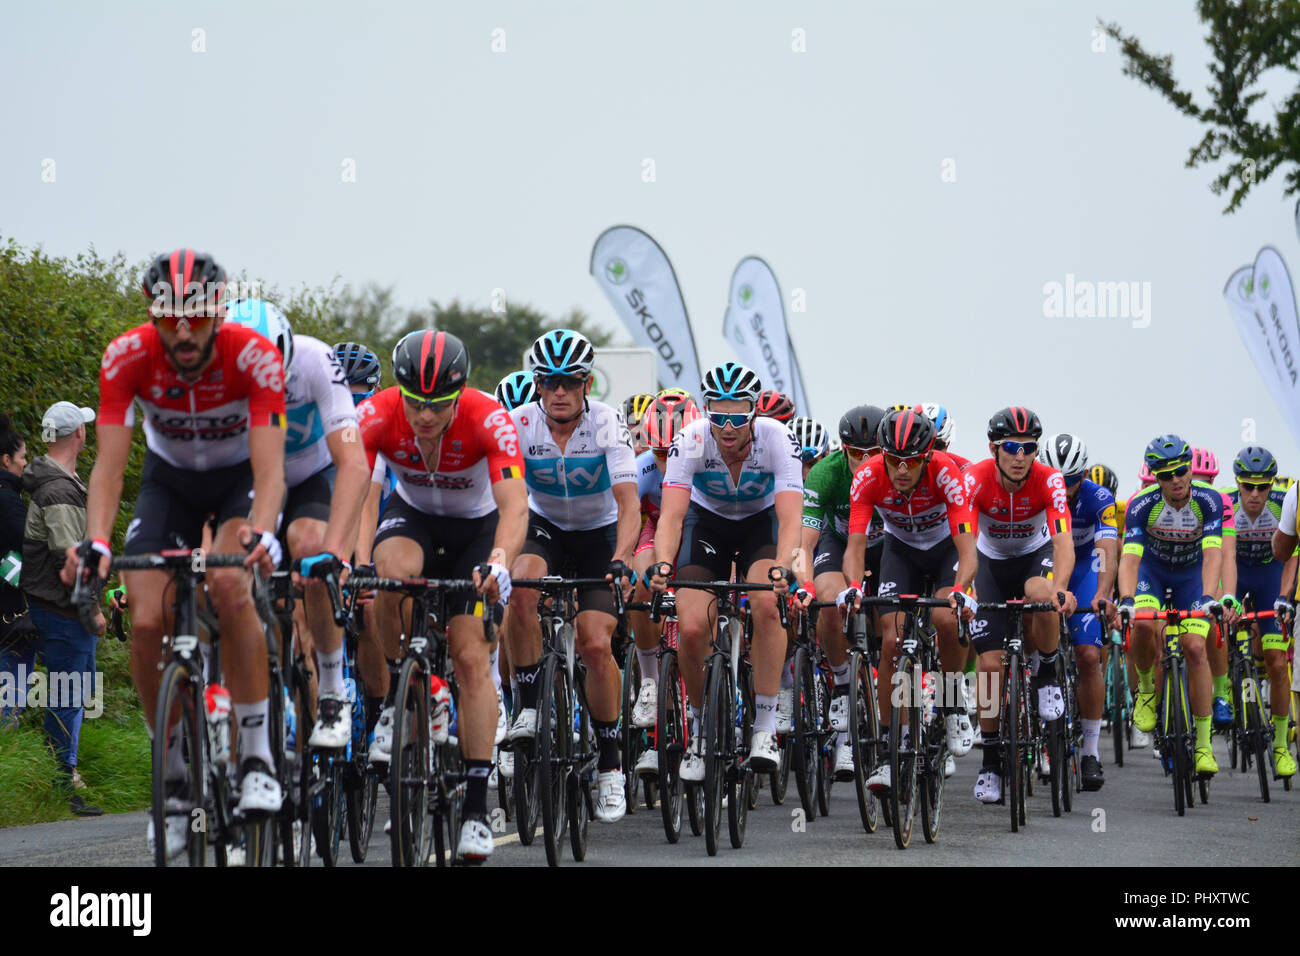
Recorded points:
(731, 490)
(925, 505)
(663, 421)
(824, 534)
(773, 404)
(1205, 467)
(361, 369)
(584, 514)
(516, 389)
(944, 428)
(326, 473)
(1251, 569)
(1172, 538)
(634, 407)
(1096, 562)
(814, 442)
(460, 502)
(1024, 541)
(211, 395)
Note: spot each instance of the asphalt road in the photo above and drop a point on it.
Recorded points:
(1130, 822)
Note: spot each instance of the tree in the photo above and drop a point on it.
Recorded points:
(1247, 37)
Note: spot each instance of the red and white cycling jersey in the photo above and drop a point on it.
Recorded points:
(1015, 523)
(200, 424)
(917, 519)
(479, 448)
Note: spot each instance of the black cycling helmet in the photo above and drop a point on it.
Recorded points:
(905, 433)
(360, 364)
(431, 366)
(1015, 421)
(1254, 462)
(859, 425)
(186, 279)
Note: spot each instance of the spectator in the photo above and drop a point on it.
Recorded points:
(56, 520)
(17, 633)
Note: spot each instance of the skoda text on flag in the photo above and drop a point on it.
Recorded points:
(754, 324)
(1261, 300)
(639, 280)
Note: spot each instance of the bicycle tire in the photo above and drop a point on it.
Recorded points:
(1070, 770)
(362, 801)
(864, 734)
(1172, 712)
(527, 808)
(180, 689)
(1010, 736)
(805, 733)
(408, 790)
(1028, 741)
(779, 779)
(553, 745)
(1238, 753)
(1114, 710)
(826, 738)
(578, 789)
(329, 813)
(740, 779)
(715, 741)
(670, 745)
(903, 764)
(631, 738)
(1259, 744)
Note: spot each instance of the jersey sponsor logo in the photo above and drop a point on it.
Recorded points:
(1056, 485)
(1047, 562)
(541, 532)
(887, 587)
(503, 431)
(751, 486)
(1107, 516)
(708, 548)
(389, 523)
(452, 483)
(262, 365)
(202, 427)
(821, 559)
(978, 626)
(304, 429)
(123, 345)
(580, 476)
(952, 487)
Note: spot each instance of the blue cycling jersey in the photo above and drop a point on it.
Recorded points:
(1162, 534)
(1093, 514)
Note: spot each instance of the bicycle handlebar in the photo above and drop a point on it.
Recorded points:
(715, 587)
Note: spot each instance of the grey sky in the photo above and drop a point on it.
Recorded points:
(477, 170)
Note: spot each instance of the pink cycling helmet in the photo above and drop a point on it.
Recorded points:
(1145, 475)
(1204, 464)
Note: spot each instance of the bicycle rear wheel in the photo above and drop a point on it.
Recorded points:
(1258, 735)
(826, 738)
(329, 811)
(1238, 753)
(932, 778)
(903, 789)
(1011, 742)
(716, 716)
(577, 784)
(670, 745)
(631, 739)
(362, 799)
(806, 743)
(740, 779)
(864, 735)
(779, 779)
(554, 744)
(409, 767)
(1117, 701)
(179, 702)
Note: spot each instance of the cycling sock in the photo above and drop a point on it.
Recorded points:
(607, 741)
(330, 666)
(992, 750)
(765, 713)
(1146, 681)
(1034, 660)
(1202, 732)
(841, 674)
(253, 739)
(787, 676)
(1281, 722)
(374, 706)
(527, 677)
(1047, 667)
(477, 772)
(1091, 737)
(494, 659)
(1221, 687)
(649, 661)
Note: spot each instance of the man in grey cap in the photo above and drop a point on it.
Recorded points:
(56, 519)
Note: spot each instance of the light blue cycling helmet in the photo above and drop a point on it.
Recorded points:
(731, 381)
(267, 320)
(516, 389)
(562, 352)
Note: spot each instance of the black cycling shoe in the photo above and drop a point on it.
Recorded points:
(1090, 769)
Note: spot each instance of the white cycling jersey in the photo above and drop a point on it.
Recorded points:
(1288, 520)
(317, 403)
(574, 489)
(772, 465)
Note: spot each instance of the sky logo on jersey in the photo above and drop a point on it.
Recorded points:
(751, 487)
(565, 477)
(304, 429)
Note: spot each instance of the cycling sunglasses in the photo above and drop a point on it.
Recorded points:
(857, 451)
(1030, 448)
(420, 402)
(911, 461)
(196, 323)
(571, 383)
(1171, 473)
(1072, 480)
(734, 419)
(1255, 485)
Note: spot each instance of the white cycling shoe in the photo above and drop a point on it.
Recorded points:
(949, 766)
(333, 722)
(764, 754)
(525, 726)
(647, 765)
(785, 711)
(691, 768)
(961, 735)
(503, 719)
(1140, 739)
(259, 790)
(988, 786)
(647, 704)
(506, 763)
(844, 762)
(178, 831)
(475, 841)
(840, 712)
(611, 804)
(1051, 702)
(880, 782)
(382, 746)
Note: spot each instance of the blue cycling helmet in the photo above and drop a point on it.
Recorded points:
(265, 319)
(562, 352)
(1166, 450)
(731, 381)
(360, 364)
(516, 389)
(1254, 462)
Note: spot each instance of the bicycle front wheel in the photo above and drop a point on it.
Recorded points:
(670, 744)
(806, 742)
(179, 704)
(554, 744)
(864, 735)
(902, 755)
(740, 779)
(1014, 767)
(1257, 733)
(409, 767)
(716, 716)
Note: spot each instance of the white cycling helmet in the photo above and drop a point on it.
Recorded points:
(268, 321)
(943, 424)
(813, 439)
(1066, 453)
